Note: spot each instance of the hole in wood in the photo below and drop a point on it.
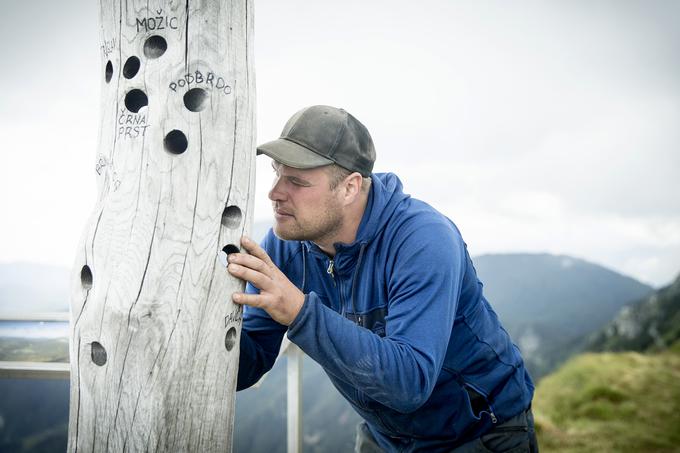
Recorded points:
(175, 142)
(231, 248)
(131, 67)
(98, 354)
(86, 277)
(231, 217)
(155, 46)
(230, 339)
(228, 249)
(135, 100)
(108, 72)
(196, 99)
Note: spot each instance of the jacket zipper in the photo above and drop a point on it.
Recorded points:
(359, 318)
(331, 267)
(494, 420)
(331, 271)
(463, 383)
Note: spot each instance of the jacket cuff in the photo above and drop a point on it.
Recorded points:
(301, 319)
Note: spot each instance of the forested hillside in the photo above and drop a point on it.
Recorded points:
(652, 323)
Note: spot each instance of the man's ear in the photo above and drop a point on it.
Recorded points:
(352, 187)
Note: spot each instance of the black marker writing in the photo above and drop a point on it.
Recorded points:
(158, 22)
(197, 78)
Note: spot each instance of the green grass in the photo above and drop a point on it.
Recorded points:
(33, 349)
(611, 402)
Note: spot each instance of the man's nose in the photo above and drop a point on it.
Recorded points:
(276, 193)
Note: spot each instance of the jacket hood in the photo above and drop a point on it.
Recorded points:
(385, 196)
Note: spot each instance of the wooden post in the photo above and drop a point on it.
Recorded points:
(155, 336)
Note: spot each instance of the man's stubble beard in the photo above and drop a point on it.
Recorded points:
(319, 229)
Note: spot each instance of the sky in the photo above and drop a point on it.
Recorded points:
(536, 126)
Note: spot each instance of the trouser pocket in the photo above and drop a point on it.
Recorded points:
(513, 436)
(506, 440)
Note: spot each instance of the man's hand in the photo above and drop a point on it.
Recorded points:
(280, 298)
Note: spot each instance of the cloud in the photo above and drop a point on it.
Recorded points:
(542, 127)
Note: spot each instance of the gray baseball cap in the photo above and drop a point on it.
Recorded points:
(322, 135)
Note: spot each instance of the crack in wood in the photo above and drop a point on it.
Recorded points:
(77, 418)
(148, 259)
(186, 38)
(120, 392)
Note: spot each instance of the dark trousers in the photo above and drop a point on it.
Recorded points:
(516, 435)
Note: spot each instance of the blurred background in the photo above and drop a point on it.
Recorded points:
(547, 131)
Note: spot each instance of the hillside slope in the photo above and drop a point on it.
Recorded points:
(650, 324)
(611, 402)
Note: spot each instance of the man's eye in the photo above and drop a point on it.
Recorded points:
(298, 182)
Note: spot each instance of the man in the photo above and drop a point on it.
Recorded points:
(379, 289)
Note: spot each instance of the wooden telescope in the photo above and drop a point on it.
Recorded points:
(154, 334)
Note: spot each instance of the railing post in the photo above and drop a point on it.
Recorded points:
(294, 381)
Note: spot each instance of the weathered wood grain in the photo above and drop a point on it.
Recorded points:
(154, 341)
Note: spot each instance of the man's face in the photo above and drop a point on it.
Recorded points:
(305, 207)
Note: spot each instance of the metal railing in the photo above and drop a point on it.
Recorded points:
(61, 316)
(34, 370)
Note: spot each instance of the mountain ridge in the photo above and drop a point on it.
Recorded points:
(649, 324)
(550, 303)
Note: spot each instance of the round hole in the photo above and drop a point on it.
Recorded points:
(175, 142)
(98, 354)
(231, 217)
(131, 67)
(135, 100)
(155, 46)
(108, 72)
(196, 99)
(231, 248)
(228, 249)
(230, 339)
(86, 277)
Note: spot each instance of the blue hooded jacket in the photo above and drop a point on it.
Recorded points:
(398, 321)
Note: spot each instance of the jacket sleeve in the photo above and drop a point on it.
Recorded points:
(260, 342)
(399, 370)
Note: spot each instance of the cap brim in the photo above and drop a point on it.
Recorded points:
(293, 155)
